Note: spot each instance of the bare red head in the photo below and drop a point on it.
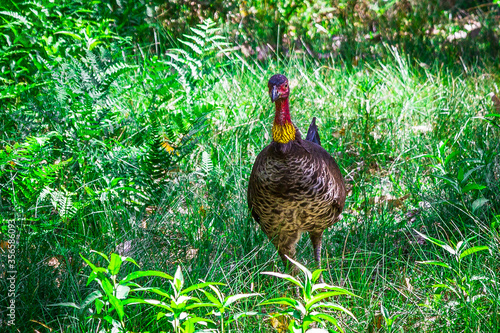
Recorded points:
(278, 87)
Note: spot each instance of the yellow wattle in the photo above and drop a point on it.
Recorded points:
(283, 133)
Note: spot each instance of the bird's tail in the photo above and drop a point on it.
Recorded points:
(312, 132)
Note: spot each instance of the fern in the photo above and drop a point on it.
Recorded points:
(21, 20)
(61, 201)
(202, 47)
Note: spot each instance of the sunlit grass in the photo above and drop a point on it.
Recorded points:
(401, 133)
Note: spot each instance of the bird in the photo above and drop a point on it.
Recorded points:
(295, 185)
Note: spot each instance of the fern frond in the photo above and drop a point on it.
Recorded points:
(193, 47)
(20, 18)
(196, 39)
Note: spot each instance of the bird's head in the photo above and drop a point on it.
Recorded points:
(283, 129)
(278, 87)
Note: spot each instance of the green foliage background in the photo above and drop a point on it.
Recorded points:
(132, 126)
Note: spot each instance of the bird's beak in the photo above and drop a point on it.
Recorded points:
(274, 94)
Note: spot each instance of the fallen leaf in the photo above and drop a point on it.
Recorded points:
(280, 323)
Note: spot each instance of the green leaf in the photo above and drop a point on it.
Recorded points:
(93, 296)
(460, 175)
(199, 286)
(473, 250)
(216, 290)
(339, 290)
(67, 304)
(178, 281)
(158, 291)
(286, 277)
(231, 299)
(450, 157)
(135, 275)
(101, 254)
(324, 316)
(472, 187)
(117, 304)
(200, 305)
(153, 302)
(438, 242)
(99, 304)
(212, 299)
(478, 203)
(280, 300)
(435, 263)
(320, 297)
(114, 264)
(301, 267)
(316, 274)
(122, 291)
(334, 306)
(107, 286)
(68, 33)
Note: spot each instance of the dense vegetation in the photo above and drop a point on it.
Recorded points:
(131, 127)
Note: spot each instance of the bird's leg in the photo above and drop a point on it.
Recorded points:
(316, 237)
(285, 244)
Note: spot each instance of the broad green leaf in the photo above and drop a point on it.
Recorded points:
(316, 274)
(280, 300)
(153, 302)
(321, 296)
(107, 286)
(117, 304)
(92, 266)
(334, 306)
(286, 301)
(478, 203)
(200, 305)
(200, 286)
(473, 250)
(114, 264)
(434, 262)
(158, 291)
(217, 292)
(93, 296)
(286, 277)
(460, 175)
(231, 299)
(438, 243)
(99, 304)
(212, 299)
(339, 290)
(471, 187)
(135, 275)
(178, 281)
(301, 267)
(101, 254)
(450, 157)
(122, 291)
(324, 316)
(68, 33)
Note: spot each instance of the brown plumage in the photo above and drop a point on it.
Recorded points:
(295, 184)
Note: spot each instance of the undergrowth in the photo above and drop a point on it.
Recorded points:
(149, 157)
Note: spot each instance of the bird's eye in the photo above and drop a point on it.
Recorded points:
(286, 85)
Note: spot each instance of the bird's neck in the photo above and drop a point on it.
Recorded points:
(283, 129)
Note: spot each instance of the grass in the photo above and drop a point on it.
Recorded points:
(409, 139)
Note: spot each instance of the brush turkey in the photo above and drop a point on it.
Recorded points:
(295, 184)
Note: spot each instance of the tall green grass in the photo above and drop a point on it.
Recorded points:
(417, 145)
